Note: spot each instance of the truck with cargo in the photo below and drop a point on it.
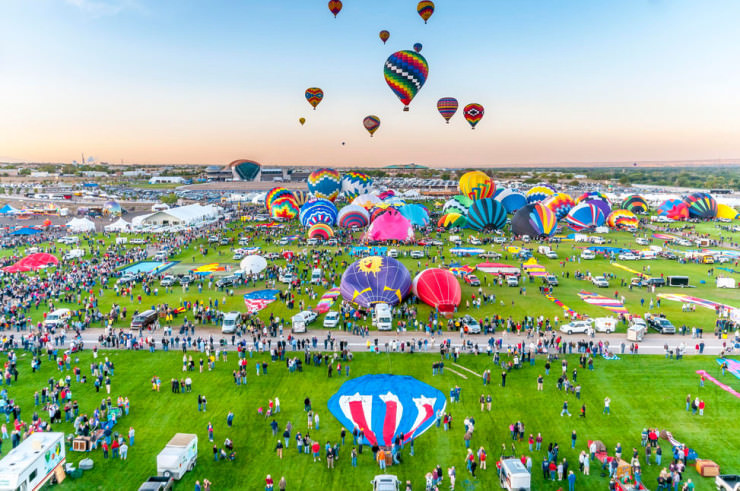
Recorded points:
(179, 456)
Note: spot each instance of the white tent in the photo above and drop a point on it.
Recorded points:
(160, 207)
(119, 225)
(80, 225)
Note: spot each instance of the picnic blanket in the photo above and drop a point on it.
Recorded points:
(326, 301)
(611, 304)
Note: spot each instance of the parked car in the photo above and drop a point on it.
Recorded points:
(499, 240)
(578, 327)
(309, 316)
(168, 280)
(417, 254)
(627, 256)
(512, 280)
(331, 319)
(127, 279)
(551, 255)
(226, 281)
(600, 282)
(470, 325)
(551, 280)
(642, 241)
(588, 254)
(472, 280)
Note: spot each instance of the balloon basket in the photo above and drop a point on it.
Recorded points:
(406, 109)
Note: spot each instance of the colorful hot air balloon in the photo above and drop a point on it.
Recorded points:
(275, 194)
(534, 220)
(405, 73)
(335, 6)
(560, 203)
(477, 185)
(384, 36)
(366, 200)
(314, 96)
(447, 107)
(302, 121)
(512, 200)
(375, 279)
(457, 204)
(585, 216)
(726, 211)
(473, 114)
(701, 205)
(635, 203)
(438, 288)
(486, 214)
(282, 204)
(320, 231)
(592, 195)
(418, 47)
(622, 219)
(601, 204)
(675, 209)
(539, 193)
(425, 9)
(356, 183)
(318, 211)
(325, 183)
(449, 220)
(301, 197)
(418, 215)
(371, 124)
(353, 216)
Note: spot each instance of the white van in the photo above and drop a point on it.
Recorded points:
(73, 254)
(512, 280)
(514, 476)
(455, 239)
(179, 456)
(393, 253)
(382, 317)
(57, 318)
(605, 324)
(231, 322)
(298, 324)
(32, 463)
(588, 254)
(161, 256)
(121, 240)
(316, 276)
(474, 240)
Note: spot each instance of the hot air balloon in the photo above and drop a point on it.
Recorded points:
(283, 206)
(335, 6)
(457, 204)
(384, 36)
(486, 214)
(300, 197)
(367, 201)
(473, 114)
(418, 47)
(477, 185)
(318, 211)
(112, 209)
(324, 183)
(418, 215)
(592, 195)
(388, 193)
(701, 205)
(253, 264)
(302, 121)
(387, 407)
(320, 231)
(425, 9)
(314, 96)
(375, 279)
(356, 183)
(371, 124)
(452, 219)
(622, 219)
(275, 193)
(635, 203)
(447, 107)
(539, 193)
(534, 220)
(560, 203)
(353, 216)
(405, 73)
(438, 288)
(675, 209)
(601, 204)
(585, 216)
(726, 212)
(512, 200)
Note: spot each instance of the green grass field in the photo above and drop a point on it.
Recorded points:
(646, 392)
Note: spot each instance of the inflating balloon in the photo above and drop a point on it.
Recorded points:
(534, 220)
(635, 203)
(473, 114)
(476, 185)
(384, 36)
(314, 96)
(405, 73)
(623, 220)
(585, 216)
(438, 288)
(539, 193)
(371, 124)
(425, 9)
(325, 183)
(353, 216)
(675, 209)
(512, 200)
(457, 204)
(318, 211)
(486, 215)
(452, 219)
(560, 203)
(356, 183)
(701, 205)
(375, 279)
(335, 6)
(320, 231)
(417, 47)
(447, 107)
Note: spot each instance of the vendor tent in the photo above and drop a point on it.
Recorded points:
(119, 225)
(26, 231)
(8, 210)
(80, 225)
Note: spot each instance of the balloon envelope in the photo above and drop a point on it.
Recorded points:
(438, 288)
(585, 216)
(701, 205)
(325, 183)
(486, 214)
(535, 220)
(447, 107)
(425, 8)
(384, 36)
(335, 6)
(314, 96)
(418, 47)
(675, 209)
(560, 203)
(318, 211)
(405, 73)
(477, 185)
(635, 203)
(253, 264)
(371, 124)
(473, 114)
(375, 279)
(512, 200)
(457, 204)
(353, 216)
(355, 184)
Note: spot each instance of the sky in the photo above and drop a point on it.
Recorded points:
(192, 81)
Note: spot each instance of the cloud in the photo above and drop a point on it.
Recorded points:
(104, 8)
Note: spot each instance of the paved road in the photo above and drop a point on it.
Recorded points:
(652, 343)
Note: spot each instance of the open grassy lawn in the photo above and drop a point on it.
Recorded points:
(646, 392)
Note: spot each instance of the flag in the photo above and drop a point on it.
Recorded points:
(258, 300)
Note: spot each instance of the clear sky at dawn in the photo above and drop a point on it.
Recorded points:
(193, 81)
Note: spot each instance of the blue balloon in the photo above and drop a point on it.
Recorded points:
(512, 200)
(418, 215)
(486, 214)
(318, 211)
(386, 406)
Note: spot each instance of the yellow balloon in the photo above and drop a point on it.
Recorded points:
(302, 121)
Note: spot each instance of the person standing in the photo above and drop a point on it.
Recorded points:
(540, 382)
(503, 378)
(230, 419)
(607, 404)
(565, 409)
(571, 481)
(573, 439)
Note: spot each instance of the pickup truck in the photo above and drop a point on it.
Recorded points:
(157, 483)
(660, 324)
(727, 482)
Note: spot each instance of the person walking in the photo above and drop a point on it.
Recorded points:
(565, 409)
(279, 449)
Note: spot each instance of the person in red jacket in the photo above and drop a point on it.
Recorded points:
(269, 483)
(701, 408)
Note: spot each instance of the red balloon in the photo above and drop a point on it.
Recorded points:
(438, 288)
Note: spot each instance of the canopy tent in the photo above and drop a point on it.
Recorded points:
(119, 225)
(391, 225)
(8, 210)
(80, 225)
(32, 262)
(26, 231)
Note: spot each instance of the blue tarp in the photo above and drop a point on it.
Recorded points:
(26, 231)
(7, 210)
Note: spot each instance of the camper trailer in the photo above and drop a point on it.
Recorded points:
(33, 462)
(514, 476)
(179, 456)
(382, 317)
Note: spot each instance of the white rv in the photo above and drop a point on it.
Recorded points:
(514, 476)
(33, 462)
(382, 317)
(179, 456)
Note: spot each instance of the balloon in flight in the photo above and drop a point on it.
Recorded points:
(425, 8)
(384, 35)
(335, 6)
(447, 107)
(473, 114)
(371, 124)
(314, 96)
(405, 73)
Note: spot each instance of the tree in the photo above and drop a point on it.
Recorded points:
(169, 199)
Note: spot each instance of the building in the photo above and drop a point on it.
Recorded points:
(400, 169)
(188, 216)
(167, 179)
